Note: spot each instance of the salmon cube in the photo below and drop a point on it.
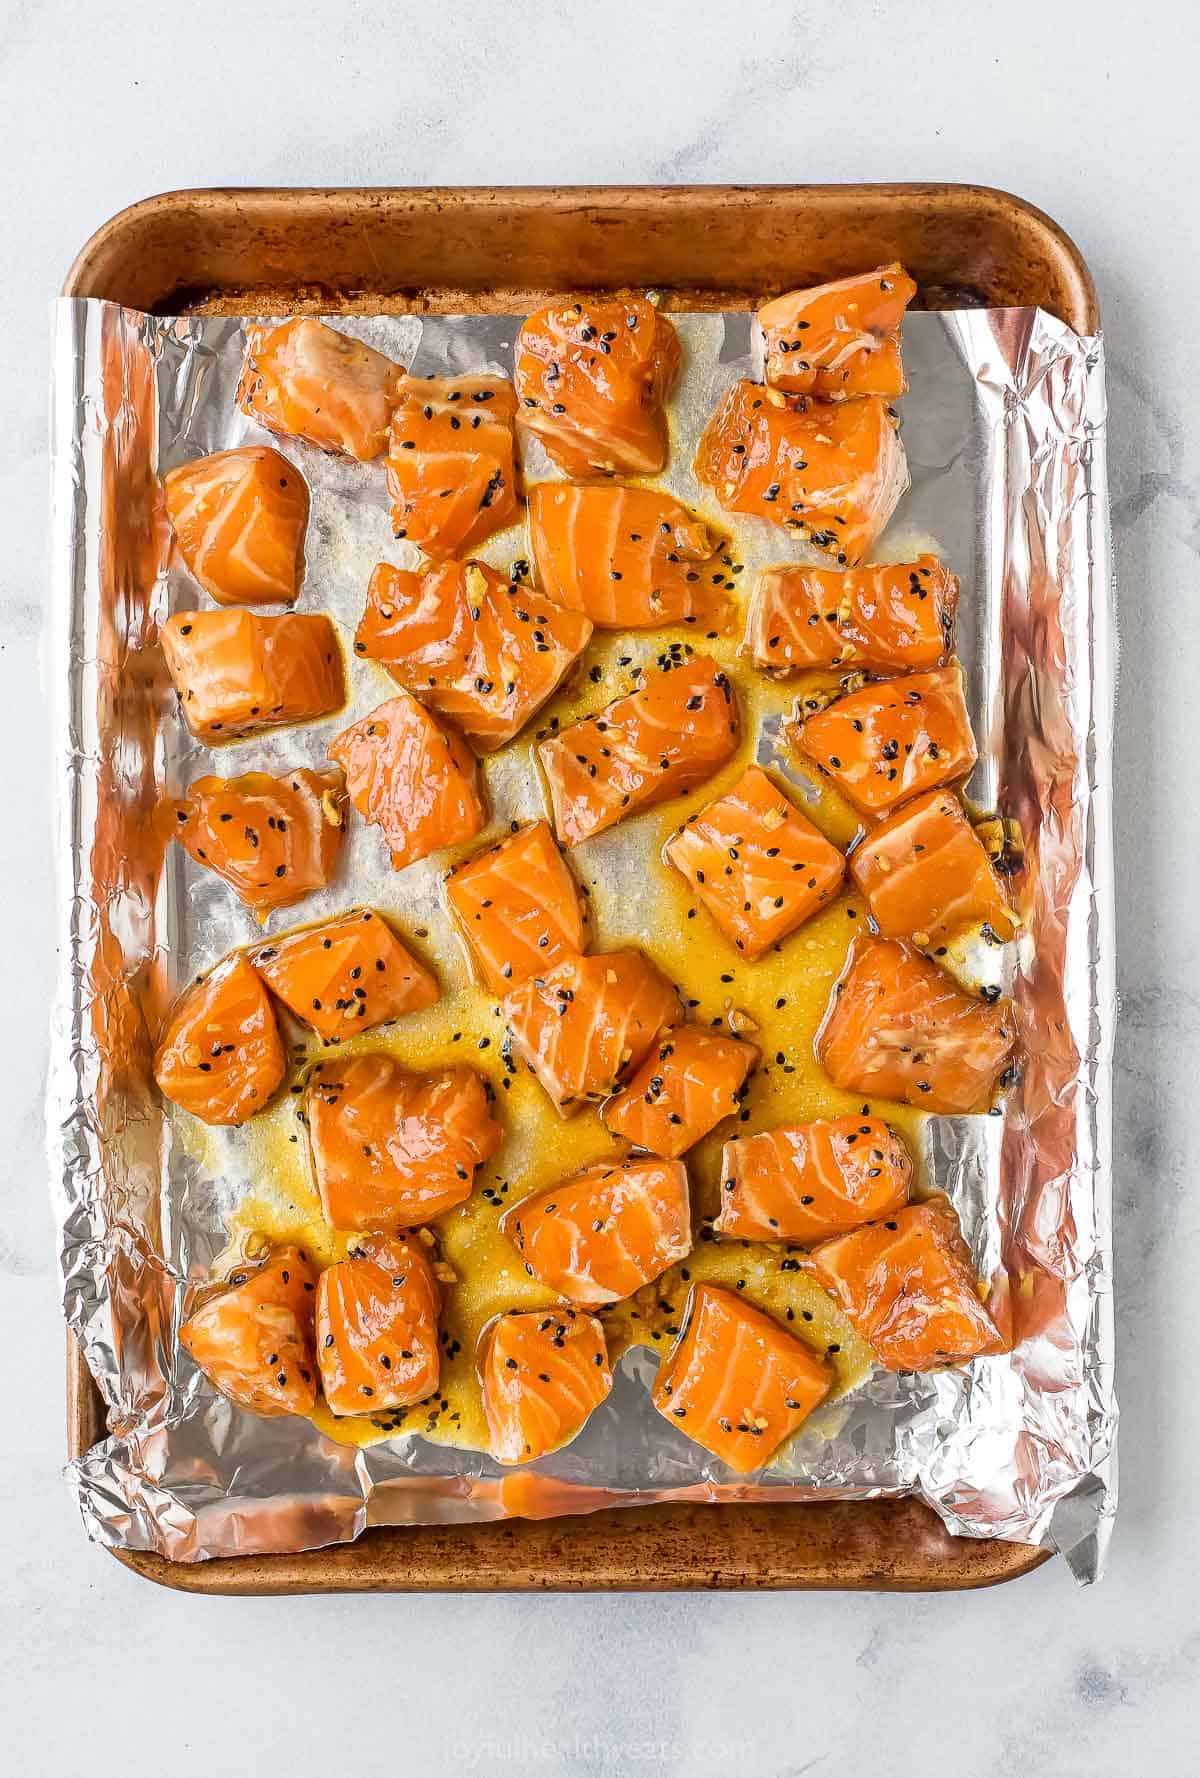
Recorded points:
(908, 1286)
(759, 866)
(889, 742)
(631, 558)
(668, 735)
(926, 875)
(839, 340)
(221, 1056)
(377, 1327)
(346, 975)
(832, 475)
(479, 651)
(450, 467)
(236, 673)
(239, 519)
(252, 1335)
(898, 1028)
(602, 1234)
(735, 1381)
(806, 1182)
(518, 907)
(392, 1149)
(543, 1372)
(273, 840)
(410, 778)
(305, 380)
(881, 620)
(691, 1079)
(588, 1021)
(593, 374)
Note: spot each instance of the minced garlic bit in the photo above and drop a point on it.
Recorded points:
(330, 809)
(740, 1022)
(773, 818)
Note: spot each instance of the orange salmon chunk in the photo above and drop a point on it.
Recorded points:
(518, 907)
(377, 1327)
(630, 558)
(390, 1148)
(236, 672)
(602, 1234)
(759, 866)
(273, 840)
(832, 475)
(592, 377)
(239, 519)
(670, 734)
(588, 1021)
(908, 1286)
(839, 340)
(221, 1056)
(252, 1335)
(691, 1079)
(306, 380)
(346, 975)
(926, 875)
(892, 741)
(810, 1181)
(735, 1381)
(542, 1371)
(481, 652)
(450, 462)
(898, 1028)
(410, 778)
(882, 620)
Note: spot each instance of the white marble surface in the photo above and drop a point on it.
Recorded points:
(1094, 117)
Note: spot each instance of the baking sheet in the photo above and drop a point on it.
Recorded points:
(1005, 435)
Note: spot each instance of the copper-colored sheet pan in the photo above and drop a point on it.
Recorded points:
(376, 250)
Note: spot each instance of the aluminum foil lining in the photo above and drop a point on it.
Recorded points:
(1005, 433)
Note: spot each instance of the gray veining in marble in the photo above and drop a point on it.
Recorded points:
(102, 103)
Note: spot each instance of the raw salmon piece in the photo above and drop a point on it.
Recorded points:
(839, 340)
(671, 733)
(273, 840)
(306, 380)
(221, 1056)
(810, 1181)
(735, 1381)
(252, 1335)
(390, 1148)
(908, 1286)
(410, 778)
(346, 975)
(450, 462)
(897, 1027)
(891, 741)
(759, 866)
(519, 907)
(690, 1080)
(377, 1327)
(239, 518)
(542, 1371)
(592, 374)
(832, 475)
(236, 672)
(631, 558)
(926, 875)
(479, 651)
(884, 620)
(602, 1234)
(588, 1021)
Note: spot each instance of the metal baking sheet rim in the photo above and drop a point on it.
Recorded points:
(117, 1290)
